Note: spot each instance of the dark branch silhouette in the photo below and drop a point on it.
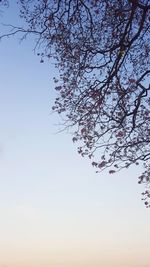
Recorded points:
(102, 50)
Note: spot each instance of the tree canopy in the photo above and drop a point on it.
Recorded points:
(102, 50)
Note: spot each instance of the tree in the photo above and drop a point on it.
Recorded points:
(101, 48)
(3, 3)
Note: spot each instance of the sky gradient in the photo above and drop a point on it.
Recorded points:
(55, 211)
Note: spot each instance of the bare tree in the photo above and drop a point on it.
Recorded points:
(101, 48)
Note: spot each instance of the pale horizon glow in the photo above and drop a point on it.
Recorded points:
(55, 210)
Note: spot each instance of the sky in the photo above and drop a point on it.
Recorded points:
(55, 211)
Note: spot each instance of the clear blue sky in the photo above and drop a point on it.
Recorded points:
(55, 211)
